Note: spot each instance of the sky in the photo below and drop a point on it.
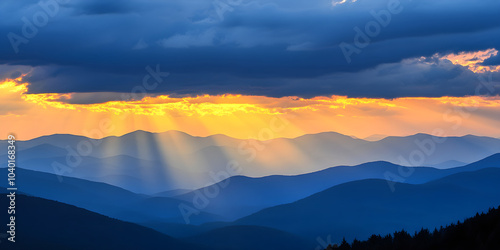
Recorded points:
(235, 67)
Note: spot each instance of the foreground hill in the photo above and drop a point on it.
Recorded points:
(45, 224)
(359, 208)
(251, 238)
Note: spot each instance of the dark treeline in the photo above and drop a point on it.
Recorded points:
(480, 232)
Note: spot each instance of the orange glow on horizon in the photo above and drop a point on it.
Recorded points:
(240, 116)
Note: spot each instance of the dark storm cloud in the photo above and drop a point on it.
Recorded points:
(492, 61)
(273, 48)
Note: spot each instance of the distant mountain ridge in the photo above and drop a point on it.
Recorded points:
(176, 160)
(375, 137)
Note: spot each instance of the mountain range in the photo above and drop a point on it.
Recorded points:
(352, 210)
(357, 209)
(176, 160)
(147, 192)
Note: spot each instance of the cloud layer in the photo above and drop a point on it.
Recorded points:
(271, 48)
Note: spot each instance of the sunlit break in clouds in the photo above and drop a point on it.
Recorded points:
(474, 60)
(241, 116)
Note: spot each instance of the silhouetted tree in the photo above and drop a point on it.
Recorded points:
(479, 232)
(344, 245)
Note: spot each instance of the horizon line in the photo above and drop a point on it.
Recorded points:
(236, 138)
